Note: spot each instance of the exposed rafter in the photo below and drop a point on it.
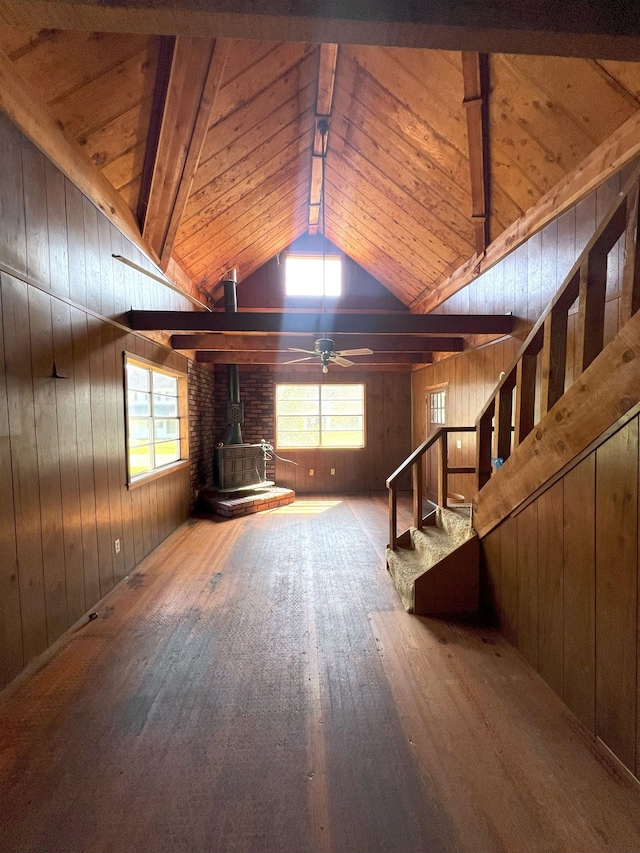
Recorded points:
(257, 357)
(197, 67)
(362, 324)
(475, 71)
(608, 158)
(228, 342)
(595, 28)
(324, 100)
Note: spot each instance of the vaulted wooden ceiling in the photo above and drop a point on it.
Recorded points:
(402, 178)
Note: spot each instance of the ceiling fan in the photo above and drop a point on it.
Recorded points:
(325, 350)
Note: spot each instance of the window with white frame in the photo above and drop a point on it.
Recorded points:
(311, 275)
(156, 428)
(326, 415)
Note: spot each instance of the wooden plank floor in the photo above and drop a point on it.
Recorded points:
(256, 686)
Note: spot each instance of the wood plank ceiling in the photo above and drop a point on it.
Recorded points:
(398, 177)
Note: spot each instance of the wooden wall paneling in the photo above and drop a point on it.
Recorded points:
(46, 433)
(490, 572)
(550, 587)
(509, 580)
(146, 518)
(13, 239)
(35, 203)
(92, 256)
(137, 524)
(107, 301)
(123, 343)
(586, 221)
(112, 390)
(68, 455)
(75, 241)
(24, 465)
(100, 459)
(549, 272)
(84, 441)
(579, 591)
(616, 592)
(57, 230)
(527, 522)
(535, 302)
(118, 271)
(11, 659)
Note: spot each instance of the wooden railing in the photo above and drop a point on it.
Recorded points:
(541, 364)
(441, 438)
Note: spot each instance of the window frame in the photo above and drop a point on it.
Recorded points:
(183, 420)
(321, 447)
(314, 256)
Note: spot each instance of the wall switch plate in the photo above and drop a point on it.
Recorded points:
(116, 545)
(311, 472)
(459, 444)
(333, 471)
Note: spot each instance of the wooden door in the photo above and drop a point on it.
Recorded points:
(436, 403)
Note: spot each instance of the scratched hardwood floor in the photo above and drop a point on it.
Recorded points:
(256, 686)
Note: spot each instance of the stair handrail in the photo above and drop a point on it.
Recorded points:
(414, 461)
(586, 282)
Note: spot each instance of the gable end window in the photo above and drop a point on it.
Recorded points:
(326, 415)
(156, 421)
(307, 275)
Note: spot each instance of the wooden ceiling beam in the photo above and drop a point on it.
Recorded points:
(324, 102)
(196, 71)
(362, 324)
(256, 357)
(221, 342)
(475, 72)
(595, 28)
(608, 158)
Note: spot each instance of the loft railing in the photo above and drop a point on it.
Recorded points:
(415, 462)
(541, 364)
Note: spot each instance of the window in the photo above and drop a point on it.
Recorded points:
(437, 406)
(319, 416)
(156, 428)
(303, 275)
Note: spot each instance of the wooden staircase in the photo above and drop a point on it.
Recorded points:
(539, 421)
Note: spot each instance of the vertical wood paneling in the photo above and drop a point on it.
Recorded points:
(68, 450)
(35, 203)
(75, 244)
(63, 498)
(527, 522)
(550, 587)
(616, 591)
(490, 572)
(10, 617)
(100, 462)
(579, 590)
(57, 230)
(24, 465)
(13, 239)
(509, 580)
(46, 428)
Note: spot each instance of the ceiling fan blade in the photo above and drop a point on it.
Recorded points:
(343, 362)
(361, 351)
(297, 349)
(296, 360)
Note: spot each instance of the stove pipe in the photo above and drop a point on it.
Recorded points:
(235, 413)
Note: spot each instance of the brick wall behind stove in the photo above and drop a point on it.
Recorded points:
(257, 395)
(202, 426)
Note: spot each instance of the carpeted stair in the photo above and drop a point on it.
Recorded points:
(439, 572)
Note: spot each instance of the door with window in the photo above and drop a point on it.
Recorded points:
(436, 402)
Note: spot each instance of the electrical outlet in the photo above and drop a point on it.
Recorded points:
(116, 545)
(311, 472)
(459, 444)
(333, 471)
